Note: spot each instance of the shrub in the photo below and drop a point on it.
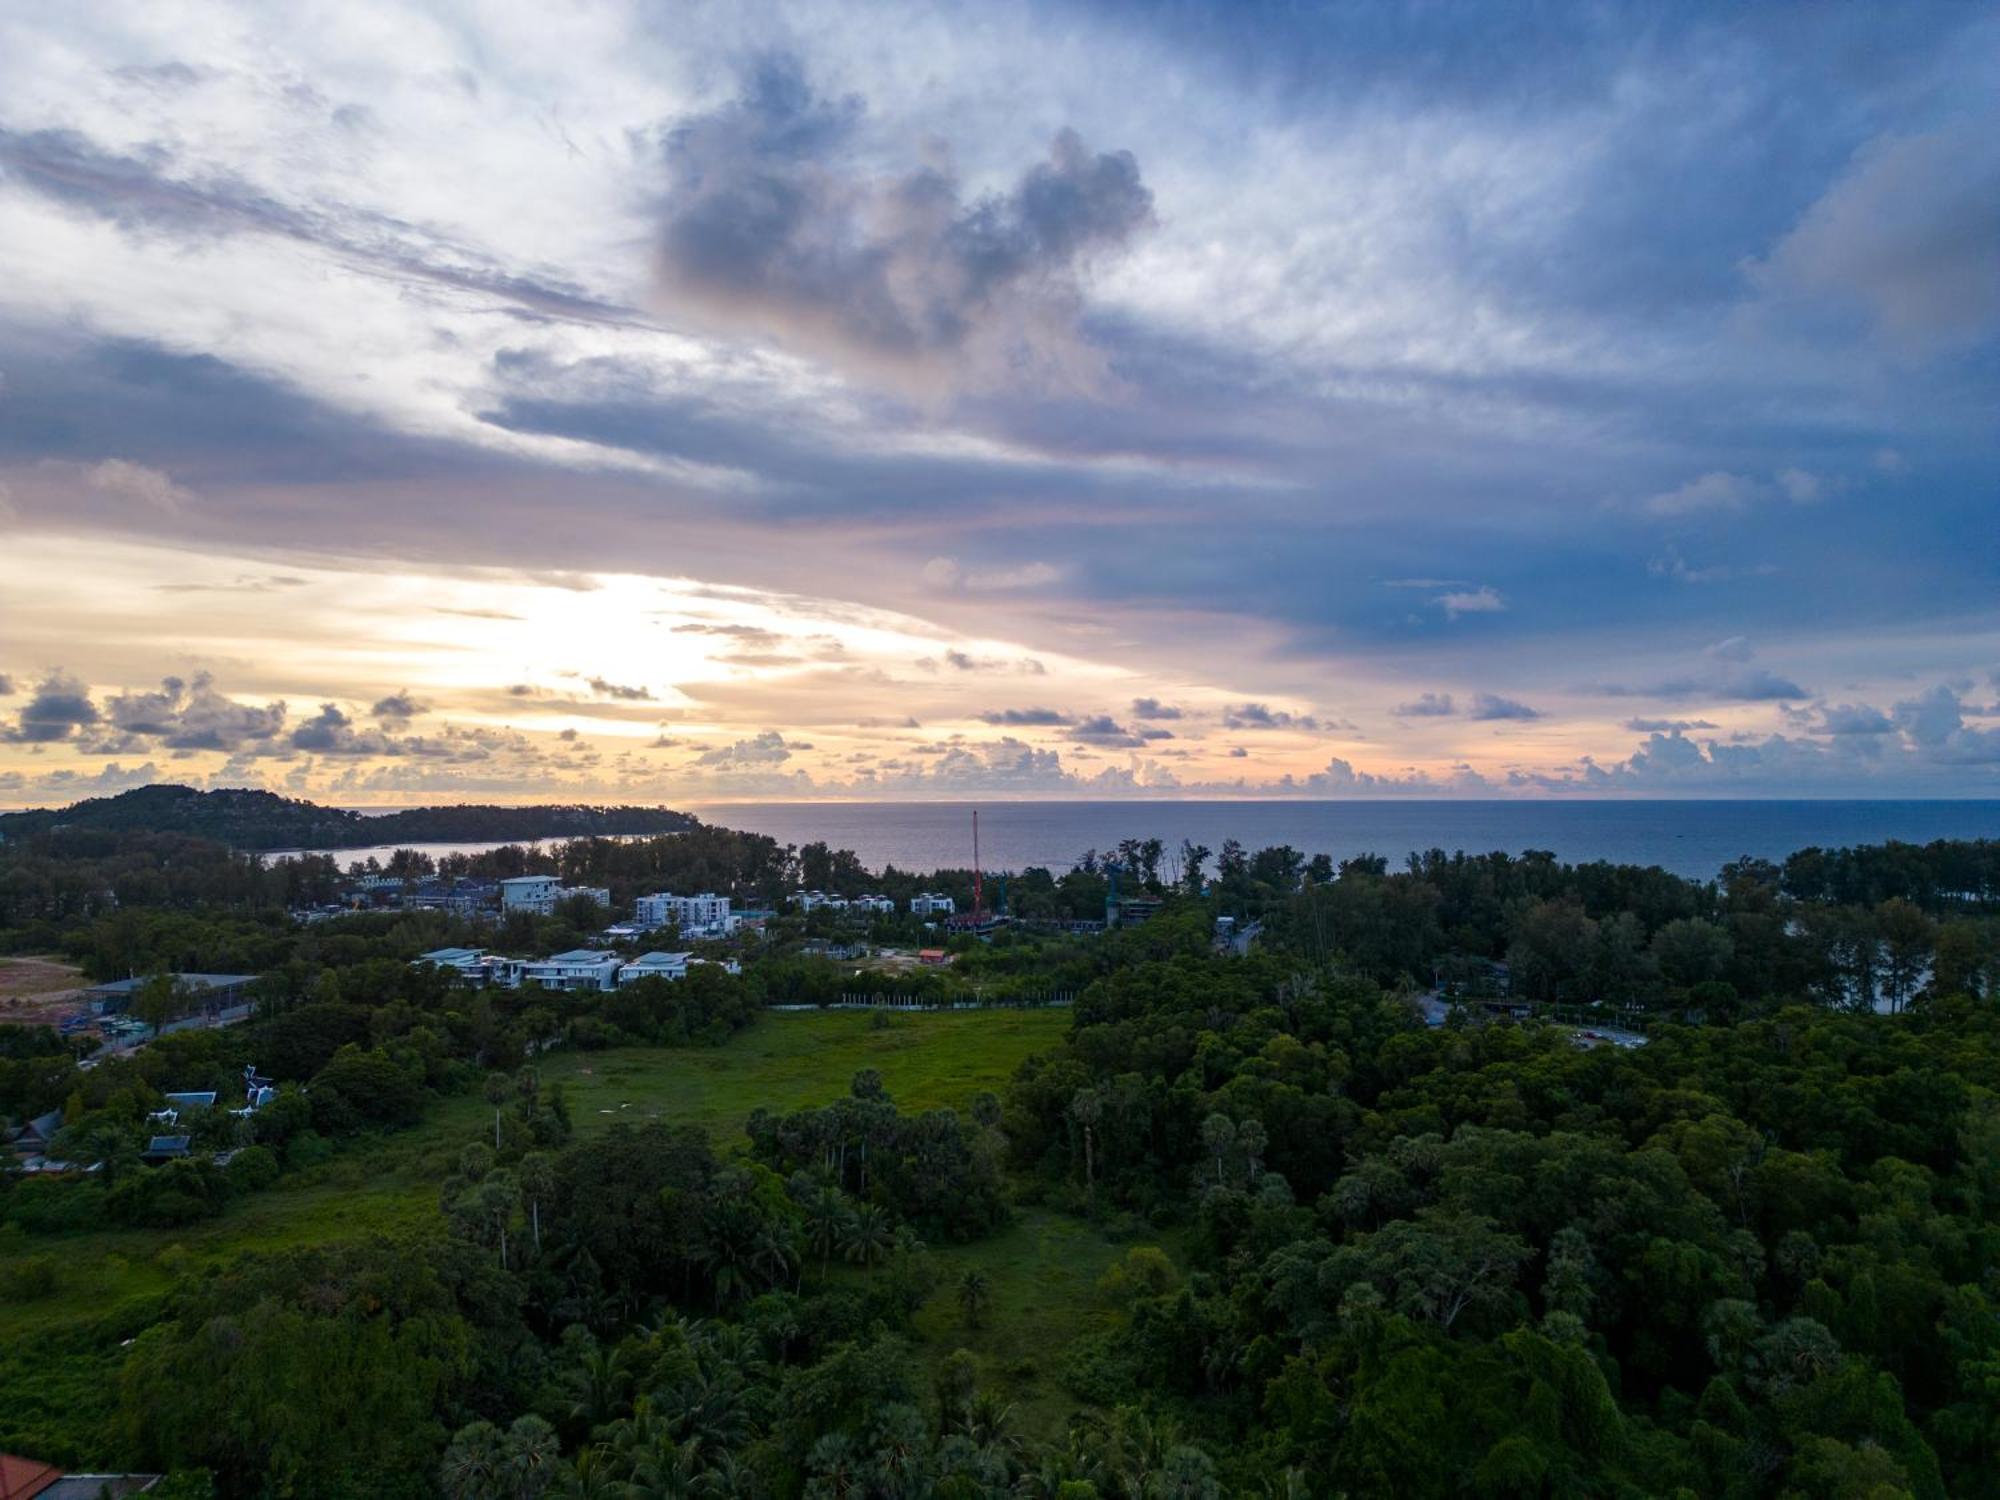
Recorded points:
(253, 1169)
(29, 1279)
(1144, 1272)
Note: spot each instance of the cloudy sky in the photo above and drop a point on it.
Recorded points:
(673, 402)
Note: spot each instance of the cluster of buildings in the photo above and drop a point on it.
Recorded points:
(594, 969)
(929, 904)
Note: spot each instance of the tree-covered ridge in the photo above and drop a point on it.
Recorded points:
(245, 819)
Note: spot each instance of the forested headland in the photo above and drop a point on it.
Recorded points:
(246, 819)
(1345, 1251)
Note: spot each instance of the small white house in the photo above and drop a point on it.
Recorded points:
(654, 965)
(578, 969)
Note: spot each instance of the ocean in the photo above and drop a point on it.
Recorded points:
(1690, 838)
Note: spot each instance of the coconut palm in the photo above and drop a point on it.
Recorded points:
(867, 1238)
(473, 1465)
(975, 1295)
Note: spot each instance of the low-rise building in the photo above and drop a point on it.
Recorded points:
(31, 1479)
(655, 965)
(931, 904)
(207, 992)
(578, 969)
(33, 1138)
(467, 963)
(457, 898)
(874, 902)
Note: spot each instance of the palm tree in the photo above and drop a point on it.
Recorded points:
(593, 1476)
(867, 1238)
(1087, 1108)
(1218, 1136)
(537, 1175)
(499, 1089)
(975, 1295)
(1185, 1473)
(534, 1454)
(667, 1471)
(827, 1216)
(597, 1386)
(473, 1464)
(988, 1421)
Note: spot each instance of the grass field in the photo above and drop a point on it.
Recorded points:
(1042, 1274)
(783, 1062)
(108, 1281)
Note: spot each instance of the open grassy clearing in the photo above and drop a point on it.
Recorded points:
(1041, 1273)
(783, 1062)
(60, 1376)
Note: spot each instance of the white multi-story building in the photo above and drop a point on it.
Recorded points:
(814, 900)
(535, 893)
(578, 969)
(542, 894)
(654, 966)
(707, 913)
(874, 903)
(931, 904)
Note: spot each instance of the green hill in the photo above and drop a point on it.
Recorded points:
(263, 820)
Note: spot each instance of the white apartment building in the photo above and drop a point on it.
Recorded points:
(706, 913)
(931, 904)
(883, 904)
(654, 965)
(535, 893)
(542, 894)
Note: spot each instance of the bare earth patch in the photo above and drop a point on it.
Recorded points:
(37, 991)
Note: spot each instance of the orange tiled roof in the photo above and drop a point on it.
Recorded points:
(21, 1478)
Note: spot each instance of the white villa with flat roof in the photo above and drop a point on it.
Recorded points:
(655, 965)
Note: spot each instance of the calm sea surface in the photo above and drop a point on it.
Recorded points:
(1689, 838)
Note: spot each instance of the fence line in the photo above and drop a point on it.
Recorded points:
(850, 1001)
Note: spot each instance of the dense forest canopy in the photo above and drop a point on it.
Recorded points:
(1749, 1254)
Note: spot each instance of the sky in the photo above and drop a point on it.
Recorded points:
(650, 402)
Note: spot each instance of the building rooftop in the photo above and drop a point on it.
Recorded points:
(659, 960)
(22, 1478)
(193, 981)
(450, 955)
(581, 956)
